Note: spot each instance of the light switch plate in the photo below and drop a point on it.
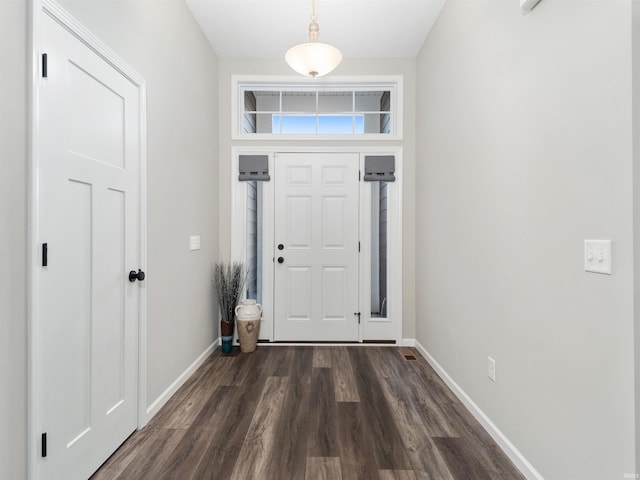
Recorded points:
(194, 242)
(491, 369)
(597, 256)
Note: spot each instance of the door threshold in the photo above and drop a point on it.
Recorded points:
(318, 342)
(311, 343)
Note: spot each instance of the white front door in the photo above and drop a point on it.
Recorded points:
(316, 253)
(89, 216)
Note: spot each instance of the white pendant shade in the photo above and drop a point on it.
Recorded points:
(313, 59)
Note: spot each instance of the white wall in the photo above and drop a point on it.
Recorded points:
(525, 150)
(13, 239)
(405, 67)
(162, 41)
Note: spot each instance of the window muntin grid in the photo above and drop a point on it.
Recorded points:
(335, 111)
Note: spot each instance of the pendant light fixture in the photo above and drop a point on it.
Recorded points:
(313, 59)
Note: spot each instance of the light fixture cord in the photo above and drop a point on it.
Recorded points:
(314, 28)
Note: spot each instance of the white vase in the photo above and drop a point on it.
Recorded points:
(249, 310)
(248, 315)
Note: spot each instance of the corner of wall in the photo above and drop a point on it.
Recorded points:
(635, 86)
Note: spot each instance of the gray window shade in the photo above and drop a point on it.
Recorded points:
(254, 167)
(380, 168)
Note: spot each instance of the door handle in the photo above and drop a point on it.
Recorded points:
(280, 259)
(133, 275)
(280, 246)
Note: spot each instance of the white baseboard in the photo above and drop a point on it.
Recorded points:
(408, 342)
(509, 448)
(164, 397)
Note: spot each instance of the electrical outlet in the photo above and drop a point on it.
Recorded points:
(491, 368)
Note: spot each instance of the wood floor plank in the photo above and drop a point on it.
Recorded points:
(387, 362)
(435, 386)
(322, 440)
(322, 357)
(388, 450)
(185, 413)
(420, 475)
(121, 458)
(323, 468)
(290, 442)
(417, 444)
(355, 443)
(149, 463)
(344, 381)
(182, 395)
(185, 458)
(256, 452)
(220, 459)
(225, 367)
(396, 475)
(410, 389)
(481, 445)
(462, 463)
(302, 365)
(243, 367)
(279, 362)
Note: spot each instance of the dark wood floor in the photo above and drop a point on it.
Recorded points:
(305, 413)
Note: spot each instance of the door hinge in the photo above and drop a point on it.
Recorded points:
(44, 66)
(358, 315)
(45, 254)
(359, 175)
(358, 247)
(44, 445)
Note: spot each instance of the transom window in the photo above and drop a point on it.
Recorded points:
(329, 111)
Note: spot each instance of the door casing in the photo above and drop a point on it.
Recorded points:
(370, 329)
(38, 8)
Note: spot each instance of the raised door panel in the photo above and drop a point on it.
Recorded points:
(96, 114)
(299, 221)
(335, 222)
(75, 336)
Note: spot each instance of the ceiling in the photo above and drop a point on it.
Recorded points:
(359, 28)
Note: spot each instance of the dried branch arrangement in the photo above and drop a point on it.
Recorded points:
(229, 279)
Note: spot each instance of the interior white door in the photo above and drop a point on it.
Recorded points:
(316, 254)
(89, 217)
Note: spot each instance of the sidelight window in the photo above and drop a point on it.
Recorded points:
(379, 243)
(254, 241)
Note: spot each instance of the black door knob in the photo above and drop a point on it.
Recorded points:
(280, 259)
(280, 246)
(133, 275)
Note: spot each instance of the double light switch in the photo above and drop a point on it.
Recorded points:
(597, 256)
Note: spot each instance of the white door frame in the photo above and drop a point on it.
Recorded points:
(34, 370)
(391, 328)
